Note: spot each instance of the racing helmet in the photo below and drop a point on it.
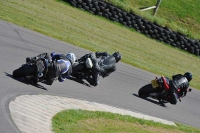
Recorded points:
(188, 75)
(71, 57)
(117, 56)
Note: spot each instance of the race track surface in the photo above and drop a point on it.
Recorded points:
(118, 90)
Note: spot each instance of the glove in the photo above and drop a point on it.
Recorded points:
(31, 59)
(28, 59)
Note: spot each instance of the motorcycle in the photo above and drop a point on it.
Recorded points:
(83, 68)
(34, 71)
(158, 87)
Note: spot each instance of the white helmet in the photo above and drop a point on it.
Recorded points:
(71, 57)
(89, 63)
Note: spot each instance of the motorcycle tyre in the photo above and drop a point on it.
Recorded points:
(145, 90)
(24, 71)
(78, 70)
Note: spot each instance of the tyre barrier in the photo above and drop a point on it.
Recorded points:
(131, 20)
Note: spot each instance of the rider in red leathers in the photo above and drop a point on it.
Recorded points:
(177, 87)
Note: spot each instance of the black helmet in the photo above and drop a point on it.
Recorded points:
(188, 75)
(117, 56)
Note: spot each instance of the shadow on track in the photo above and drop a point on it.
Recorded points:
(79, 81)
(152, 101)
(26, 82)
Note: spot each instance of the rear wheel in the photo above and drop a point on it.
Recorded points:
(145, 90)
(24, 71)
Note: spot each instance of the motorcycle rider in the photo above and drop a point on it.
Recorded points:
(177, 87)
(103, 64)
(60, 66)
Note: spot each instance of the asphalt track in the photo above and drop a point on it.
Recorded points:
(118, 90)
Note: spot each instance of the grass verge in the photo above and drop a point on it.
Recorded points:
(82, 121)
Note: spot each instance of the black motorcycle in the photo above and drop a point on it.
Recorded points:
(158, 87)
(83, 68)
(34, 71)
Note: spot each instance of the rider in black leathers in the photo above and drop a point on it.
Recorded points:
(60, 66)
(178, 86)
(103, 65)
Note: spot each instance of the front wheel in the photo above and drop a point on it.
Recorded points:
(145, 91)
(25, 71)
(77, 68)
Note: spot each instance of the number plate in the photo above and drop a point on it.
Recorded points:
(154, 83)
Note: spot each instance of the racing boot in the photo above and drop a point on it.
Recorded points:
(161, 98)
(80, 76)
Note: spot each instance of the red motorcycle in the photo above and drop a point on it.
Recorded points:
(157, 87)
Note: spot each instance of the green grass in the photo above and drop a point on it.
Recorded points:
(81, 121)
(180, 15)
(69, 24)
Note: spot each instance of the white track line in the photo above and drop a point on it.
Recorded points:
(33, 113)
